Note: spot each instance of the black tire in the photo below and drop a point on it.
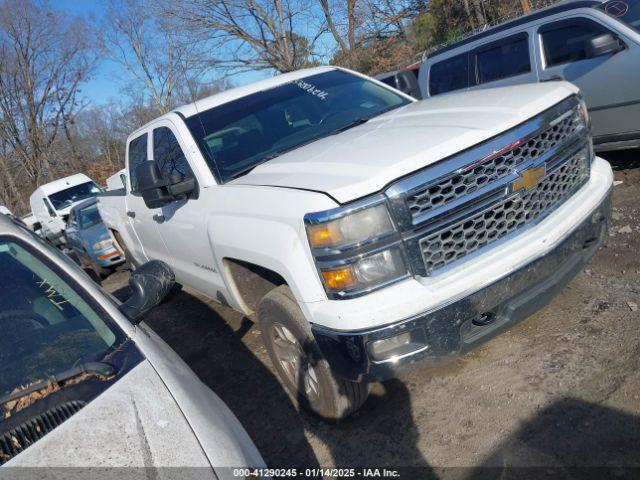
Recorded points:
(129, 262)
(319, 390)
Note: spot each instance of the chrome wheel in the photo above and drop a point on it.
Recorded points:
(294, 362)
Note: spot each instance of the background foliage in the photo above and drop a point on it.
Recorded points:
(171, 52)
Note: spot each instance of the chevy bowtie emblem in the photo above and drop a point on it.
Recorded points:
(529, 178)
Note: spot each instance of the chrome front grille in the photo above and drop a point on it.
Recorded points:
(461, 183)
(503, 218)
(464, 204)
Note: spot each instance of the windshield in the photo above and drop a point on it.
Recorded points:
(64, 198)
(238, 135)
(47, 326)
(627, 11)
(89, 216)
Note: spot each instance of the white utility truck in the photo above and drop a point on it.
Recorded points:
(51, 202)
(117, 181)
(362, 229)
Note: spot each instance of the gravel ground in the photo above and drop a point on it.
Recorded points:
(560, 389)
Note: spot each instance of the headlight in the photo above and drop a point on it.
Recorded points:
(365, 274)
(353, 228)
(584, 113)
(356, 248)
(102, 244)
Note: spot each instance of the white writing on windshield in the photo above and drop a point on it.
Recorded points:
(307, 87)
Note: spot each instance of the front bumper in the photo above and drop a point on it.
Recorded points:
(464, 324)
(109, 257)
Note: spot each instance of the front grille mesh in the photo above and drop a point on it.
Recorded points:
(456, 185)
(25, 435)
(455, 241)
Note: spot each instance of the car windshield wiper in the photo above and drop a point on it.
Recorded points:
(354, 123)
(264, 159)
(97, 369)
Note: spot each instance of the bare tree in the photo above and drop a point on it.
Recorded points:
(388, 18)
(526, 6)
(150, 51)
(250, 34)
(44, 58)
(343, 23)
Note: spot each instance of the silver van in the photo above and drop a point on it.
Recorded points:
(593, 44)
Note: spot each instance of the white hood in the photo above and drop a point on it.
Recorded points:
(135, 423)
(365, 159)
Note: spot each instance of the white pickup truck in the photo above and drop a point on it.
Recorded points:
(362, 229)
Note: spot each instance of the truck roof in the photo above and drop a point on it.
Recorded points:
(563, 6)
(62, 183)
(239, 92)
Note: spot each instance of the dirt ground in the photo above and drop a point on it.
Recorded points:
(560, 389)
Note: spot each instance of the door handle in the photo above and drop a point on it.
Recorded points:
(554, 78)
(159, 218)
(131, 214)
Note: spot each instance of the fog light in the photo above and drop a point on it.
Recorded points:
(397, 346)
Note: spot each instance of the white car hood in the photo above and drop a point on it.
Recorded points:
(365, 159)
(135, 423)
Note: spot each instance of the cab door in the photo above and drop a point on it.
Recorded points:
(609, 81)
(183, 222)
(141, 221)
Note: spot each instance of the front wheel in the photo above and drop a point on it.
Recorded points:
(302, 369)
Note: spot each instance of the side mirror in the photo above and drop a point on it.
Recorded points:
(605, 44)
(179, 185)
(152, 186)
(151, 283)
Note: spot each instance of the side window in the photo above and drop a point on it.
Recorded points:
(503, 60)
(137, 155)
(567, 41)
(168, 154)
(450, 74)
(50, 209)
(391, 81)
(402, 82)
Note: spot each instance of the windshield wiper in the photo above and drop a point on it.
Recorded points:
(354, 123)
(246, 170)
(98, 369)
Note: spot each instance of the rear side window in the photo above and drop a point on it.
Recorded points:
(567, 41)
(168, 154)
(450, 74)
(50, 209)
(503, 60)
(137, 155)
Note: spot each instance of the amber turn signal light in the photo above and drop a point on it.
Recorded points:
(324, 235)
(339, 279)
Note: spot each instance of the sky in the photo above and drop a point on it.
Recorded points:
(109, 77)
